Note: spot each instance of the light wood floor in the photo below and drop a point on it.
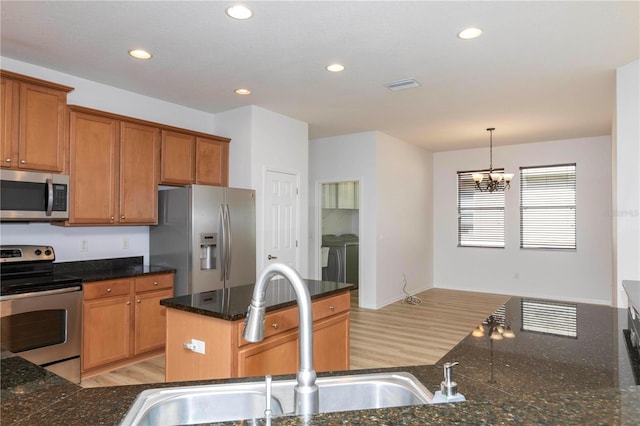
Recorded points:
(399, 334)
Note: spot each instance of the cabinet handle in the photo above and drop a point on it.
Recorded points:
(275, 325)
(8, 160)
(109, 290)
(155, 283)
(332, 308)
(128, 302)
(23, 162)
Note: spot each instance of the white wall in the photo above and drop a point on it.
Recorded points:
(404, 231)
(395, 209)
(104, 242)
(583, 275)
(346, 158)
(264, 140)
(626, 159)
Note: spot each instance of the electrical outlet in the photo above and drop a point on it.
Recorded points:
(198, 346)
(125, 243)
(84, 245)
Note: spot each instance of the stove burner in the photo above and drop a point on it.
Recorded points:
(29, 269)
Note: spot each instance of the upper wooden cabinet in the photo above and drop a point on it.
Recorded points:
(33, 123)
(114, 169)
(189, 158)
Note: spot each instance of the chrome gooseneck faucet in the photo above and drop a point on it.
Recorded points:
(306, 391)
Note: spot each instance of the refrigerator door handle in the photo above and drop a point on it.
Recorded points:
(223, 243)
(229, 243)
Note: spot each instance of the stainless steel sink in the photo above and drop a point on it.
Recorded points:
(239, 401)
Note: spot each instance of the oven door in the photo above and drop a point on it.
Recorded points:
(44, 328)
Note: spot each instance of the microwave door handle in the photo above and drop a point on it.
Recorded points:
(49, 195)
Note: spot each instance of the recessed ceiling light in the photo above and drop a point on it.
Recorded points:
(469, 33)
(243, 91)
(335, 68)
(239, 12)
(140, 54)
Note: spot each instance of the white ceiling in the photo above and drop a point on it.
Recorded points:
(541, 71)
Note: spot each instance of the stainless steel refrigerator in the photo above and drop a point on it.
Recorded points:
(208, 234)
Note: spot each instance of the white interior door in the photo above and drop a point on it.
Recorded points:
(281, 219)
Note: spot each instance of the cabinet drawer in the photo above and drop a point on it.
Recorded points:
(274, 323)
(323, 308)
(153, 282)
(108, 288)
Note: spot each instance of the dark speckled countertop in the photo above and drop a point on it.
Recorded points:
(534, 378)
(231, 303)
(109, 269)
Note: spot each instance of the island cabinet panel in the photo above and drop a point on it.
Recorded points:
(33, 124)
(123, 321)
(114, 170)
(227, 354)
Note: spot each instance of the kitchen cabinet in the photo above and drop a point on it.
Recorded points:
(123, 321)
(189, 157)
(33, 135)
(227, 354)
(340, 195)
(114, 170)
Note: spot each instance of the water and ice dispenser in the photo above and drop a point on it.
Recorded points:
(208, 250)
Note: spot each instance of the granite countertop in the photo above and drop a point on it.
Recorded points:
(109, 269)
(231, 303)
(537, 377)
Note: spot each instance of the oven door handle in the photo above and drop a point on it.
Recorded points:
(41, 293)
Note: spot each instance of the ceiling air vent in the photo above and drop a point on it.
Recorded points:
(402, 84)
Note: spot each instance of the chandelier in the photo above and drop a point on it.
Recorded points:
(495, 181)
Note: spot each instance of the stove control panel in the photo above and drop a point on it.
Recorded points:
(26, 253)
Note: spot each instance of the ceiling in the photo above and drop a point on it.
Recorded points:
(541, 70)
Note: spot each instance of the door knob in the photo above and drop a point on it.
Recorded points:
(272, 257)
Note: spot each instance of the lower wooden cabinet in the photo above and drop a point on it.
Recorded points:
(123, 321)
(227, 354)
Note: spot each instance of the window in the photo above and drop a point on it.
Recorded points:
(480, 214)
(548, 207)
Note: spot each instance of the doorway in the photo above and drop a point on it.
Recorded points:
(340, 231)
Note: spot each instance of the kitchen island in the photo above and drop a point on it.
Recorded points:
(534, 378)
(213, 323)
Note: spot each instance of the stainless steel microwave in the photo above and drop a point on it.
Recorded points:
(33, 196)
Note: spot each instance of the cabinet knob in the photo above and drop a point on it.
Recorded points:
(112, 218)
(128, 302)
(23, 162)
(109, 290)
(275, 325)
(138, 301)
(8, 160)
(122, 217)
(155, 283)
(332, 308)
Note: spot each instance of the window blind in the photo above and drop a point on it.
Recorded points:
(480, 214)
(548, 207)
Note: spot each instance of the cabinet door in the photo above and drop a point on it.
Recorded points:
(93, 168)
(178, 158)
(150, 321)
(331, 343)
(212, 162)
(278, 355)
(42, 132)
(106, 326)
(139, 174)
(10, 124)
